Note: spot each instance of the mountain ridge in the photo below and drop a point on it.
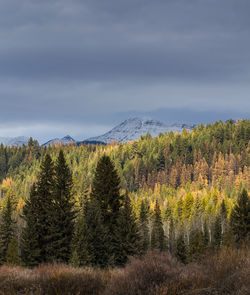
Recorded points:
(132, 128)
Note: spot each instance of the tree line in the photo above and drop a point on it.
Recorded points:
(101, 226)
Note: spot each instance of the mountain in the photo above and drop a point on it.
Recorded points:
(64, 140)
(133, 128)
(20, 140)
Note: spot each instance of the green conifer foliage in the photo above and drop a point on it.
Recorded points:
(157, 235)
(106, 192)
(99, 249)
(197, 245)
(45, 206)
(181, 249)
(171, 236)
(6, 228)
(80, 255)
(240, 217)
(144, 226)
(39, 215)
(60, 230)
(127, 233)
(31, 245)
(12, 257)
(217, 232)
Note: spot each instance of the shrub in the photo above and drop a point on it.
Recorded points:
(142, 275)
(53, 279)
(156, 273)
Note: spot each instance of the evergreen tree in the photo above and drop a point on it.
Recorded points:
(12, 257)
(31, 250)
(240, 217)
(6, 228)
(197, 245)
(39, 216)
(171, 236)
(45, 206)
(106, 192)
(128, 233)
(157, 236)
(144, 226)
(217, 232)
(99, 249)
(79, 247)
(60, 230)
(181, 249)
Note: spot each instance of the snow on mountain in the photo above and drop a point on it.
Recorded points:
(20, 140)
(133, 128)
(64, 140)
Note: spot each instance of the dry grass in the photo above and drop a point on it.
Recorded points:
(54, 279)
(226, 272)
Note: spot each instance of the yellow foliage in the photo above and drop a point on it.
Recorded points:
(20, 205)
(7, 183)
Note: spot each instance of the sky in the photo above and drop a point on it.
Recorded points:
(80, 67)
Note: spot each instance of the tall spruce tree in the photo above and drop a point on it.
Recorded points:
(99, 252)
(6, 227)
(240, 217)
(181, 249)
(12, 256)
(106, 192)
(197, 245)
(45, 206)
(217, 232)
(157, 235)
(30, 242)
(60, 230)
(79, 245)
(144, 226)
(39, 215)
(128, 233)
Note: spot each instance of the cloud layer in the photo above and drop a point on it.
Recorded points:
(77, 64)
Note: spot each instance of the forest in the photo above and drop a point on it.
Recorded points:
(165, 209)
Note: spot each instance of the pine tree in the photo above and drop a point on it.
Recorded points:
(217, 232)
(157, 236)
(181, 249)
(46, 213)
(12, 257)
(60, 231)
(39, 215)
(106, 192)
(79, 246)
(240, 217)
(197, 245)
(144, 226)
(31, 252)
(97, 235)
(127, 233)
(171, 236)
(6, 228)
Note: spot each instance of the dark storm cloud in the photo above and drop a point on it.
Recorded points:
(69, 62)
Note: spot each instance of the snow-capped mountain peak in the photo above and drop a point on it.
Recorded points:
(16, 141)
(133, 128)
(64, 140)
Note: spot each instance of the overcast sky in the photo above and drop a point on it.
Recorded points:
(81, 66)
